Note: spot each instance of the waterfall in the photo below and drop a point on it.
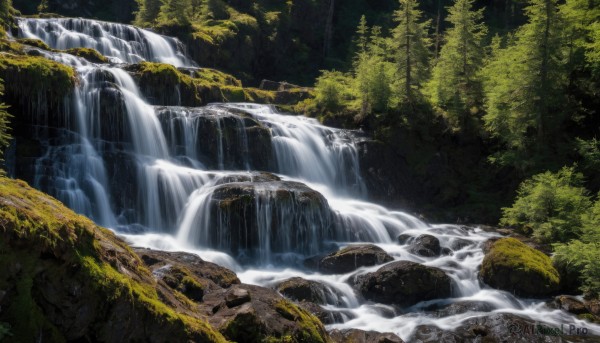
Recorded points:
(238, 183)
(123, 43)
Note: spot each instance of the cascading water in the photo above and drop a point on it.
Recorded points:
(124, 43)
(176, 178)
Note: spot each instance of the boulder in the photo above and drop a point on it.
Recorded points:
(360, 336)
(404, 283)
(353, 257)
(300, 289)
(259, 219)
(426, 245)
(512, 266)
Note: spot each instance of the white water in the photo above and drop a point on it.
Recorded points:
(143, 175)
(123, 43)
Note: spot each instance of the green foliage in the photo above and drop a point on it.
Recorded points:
(176, 11)
(582, 260)
(5, 7)
(523, 86)
(332, 90)
(148, 11)
(412, 49)
(455, 83)
(4, 330)
(550, 206)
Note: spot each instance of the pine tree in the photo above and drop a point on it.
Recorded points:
(523, 85)
(148, 12)
(372, 72)
(455, 84)
(411, 42)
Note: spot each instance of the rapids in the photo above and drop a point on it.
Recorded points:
(161, 178)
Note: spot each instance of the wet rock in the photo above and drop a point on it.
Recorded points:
(290, 215)
(426, 245)
(404, 283)
(266, 316)
(460, 243)
(217, 276)
(462, 307)
(299, 289)
(496, 328)
(360, 336)
(405, 239)
(569, 304)
(224, 138)
(512, 266)
(353, 257)
(326, 317)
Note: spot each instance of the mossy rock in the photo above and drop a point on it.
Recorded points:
(512, 266)
(66, 279)
(91, 55)
(34, 42)
(30, 76)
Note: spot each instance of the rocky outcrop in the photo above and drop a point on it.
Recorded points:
(353, 257)
(404, 283)
(223, 138)
(360, 336)
(512, 266)
(64, 278)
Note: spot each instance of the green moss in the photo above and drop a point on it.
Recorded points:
(311, 329)
(91, 55)
(29, 76)
(34, 42)
(38, 234)
(216, 76)
(519, 268)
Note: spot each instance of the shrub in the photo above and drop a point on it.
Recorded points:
(550, 206)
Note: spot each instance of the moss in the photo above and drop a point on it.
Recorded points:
(311, 329)
(34, 42)
(216, 76)
(30, 76)
(38, 234)
(513, 266)
(91, 55)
